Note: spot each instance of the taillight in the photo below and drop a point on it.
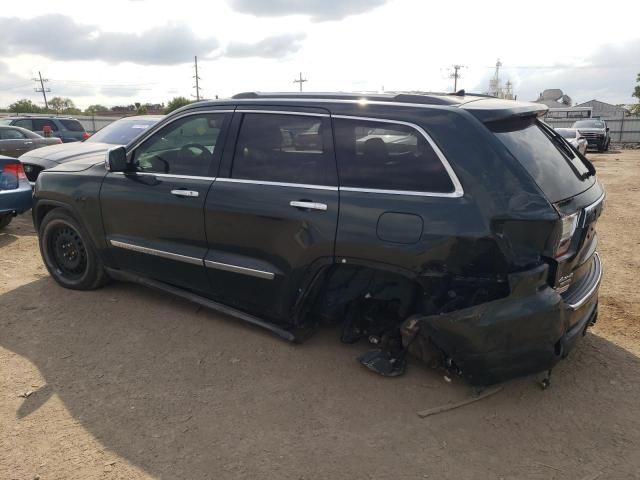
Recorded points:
(16, 170)
(11, 175)
(568, 226)
(85, 135)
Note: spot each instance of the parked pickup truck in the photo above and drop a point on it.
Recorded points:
(596, 132)
(457, 228)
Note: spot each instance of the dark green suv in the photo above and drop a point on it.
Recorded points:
(458, 228)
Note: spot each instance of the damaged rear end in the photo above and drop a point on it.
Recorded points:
(554, 269)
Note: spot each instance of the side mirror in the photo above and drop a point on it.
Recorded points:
(116, 159)
(607, 129)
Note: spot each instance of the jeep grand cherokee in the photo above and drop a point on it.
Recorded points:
(458, 228)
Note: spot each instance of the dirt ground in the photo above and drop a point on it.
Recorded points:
(131, 384)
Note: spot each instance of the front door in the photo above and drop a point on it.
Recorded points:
(13, 142)
(153, 216)
(271, 216)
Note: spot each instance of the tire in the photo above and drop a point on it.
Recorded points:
(606, 147)
(68, 253)
(5, 220)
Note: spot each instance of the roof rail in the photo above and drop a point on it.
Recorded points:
(401, 97)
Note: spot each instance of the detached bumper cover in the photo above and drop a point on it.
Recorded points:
(527, 332)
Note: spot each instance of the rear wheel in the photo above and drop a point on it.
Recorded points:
(68, 253)
(5, 220)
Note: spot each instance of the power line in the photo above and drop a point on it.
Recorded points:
(42, 90)
(197, 85)
(300, 80)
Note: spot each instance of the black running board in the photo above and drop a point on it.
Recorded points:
(205, 302)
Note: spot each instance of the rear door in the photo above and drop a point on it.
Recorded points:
(271, 216)
(153, 217)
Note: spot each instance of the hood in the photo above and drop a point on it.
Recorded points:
(79, 164)
(65, 152)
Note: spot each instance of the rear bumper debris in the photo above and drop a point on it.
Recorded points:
(527, 332)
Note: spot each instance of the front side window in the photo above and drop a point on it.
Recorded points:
(11, 134)
(283, 148)
(387, 156)
(40, 123)
(184, 147)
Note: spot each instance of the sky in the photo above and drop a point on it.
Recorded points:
(118, 52)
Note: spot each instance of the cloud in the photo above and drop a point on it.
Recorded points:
(319, 10)
(608, 75)
(119, 91)
(170, 44)
(276, 46)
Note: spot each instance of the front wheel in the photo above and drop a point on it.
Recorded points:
(68, 253)
(5, 220)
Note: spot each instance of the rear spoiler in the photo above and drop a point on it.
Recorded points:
(495, 109)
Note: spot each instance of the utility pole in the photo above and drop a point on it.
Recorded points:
(42, 89)
(197, 85)
(456, 75)
(300, 80)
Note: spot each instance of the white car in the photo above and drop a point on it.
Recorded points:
(573, 136)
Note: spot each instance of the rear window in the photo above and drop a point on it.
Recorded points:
(73, 125)
(121, 132)
(555, 167)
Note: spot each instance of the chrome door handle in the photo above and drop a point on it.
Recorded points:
(308, 205)
(28, 142)
(185, 193)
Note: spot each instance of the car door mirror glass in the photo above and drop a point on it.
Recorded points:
(116, 159)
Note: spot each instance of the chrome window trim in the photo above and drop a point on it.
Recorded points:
(458, 191)
(158, 253)
(284, 112)
(156, 128)
(165, 175)
(577, 304)
(277, 184)
(237, 269)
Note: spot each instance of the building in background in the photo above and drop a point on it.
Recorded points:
(554, 98)
(604, 110)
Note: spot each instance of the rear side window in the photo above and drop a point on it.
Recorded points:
(283, 148)
(387, 156)
(73, 125)
(557, 170)
(40, 123)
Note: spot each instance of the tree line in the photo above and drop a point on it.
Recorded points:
(65, 106)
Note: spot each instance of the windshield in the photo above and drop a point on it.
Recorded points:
(567, 133)
(122, 131)
(555, 167)
(588, 124)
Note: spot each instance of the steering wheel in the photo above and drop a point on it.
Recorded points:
(185, 150)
